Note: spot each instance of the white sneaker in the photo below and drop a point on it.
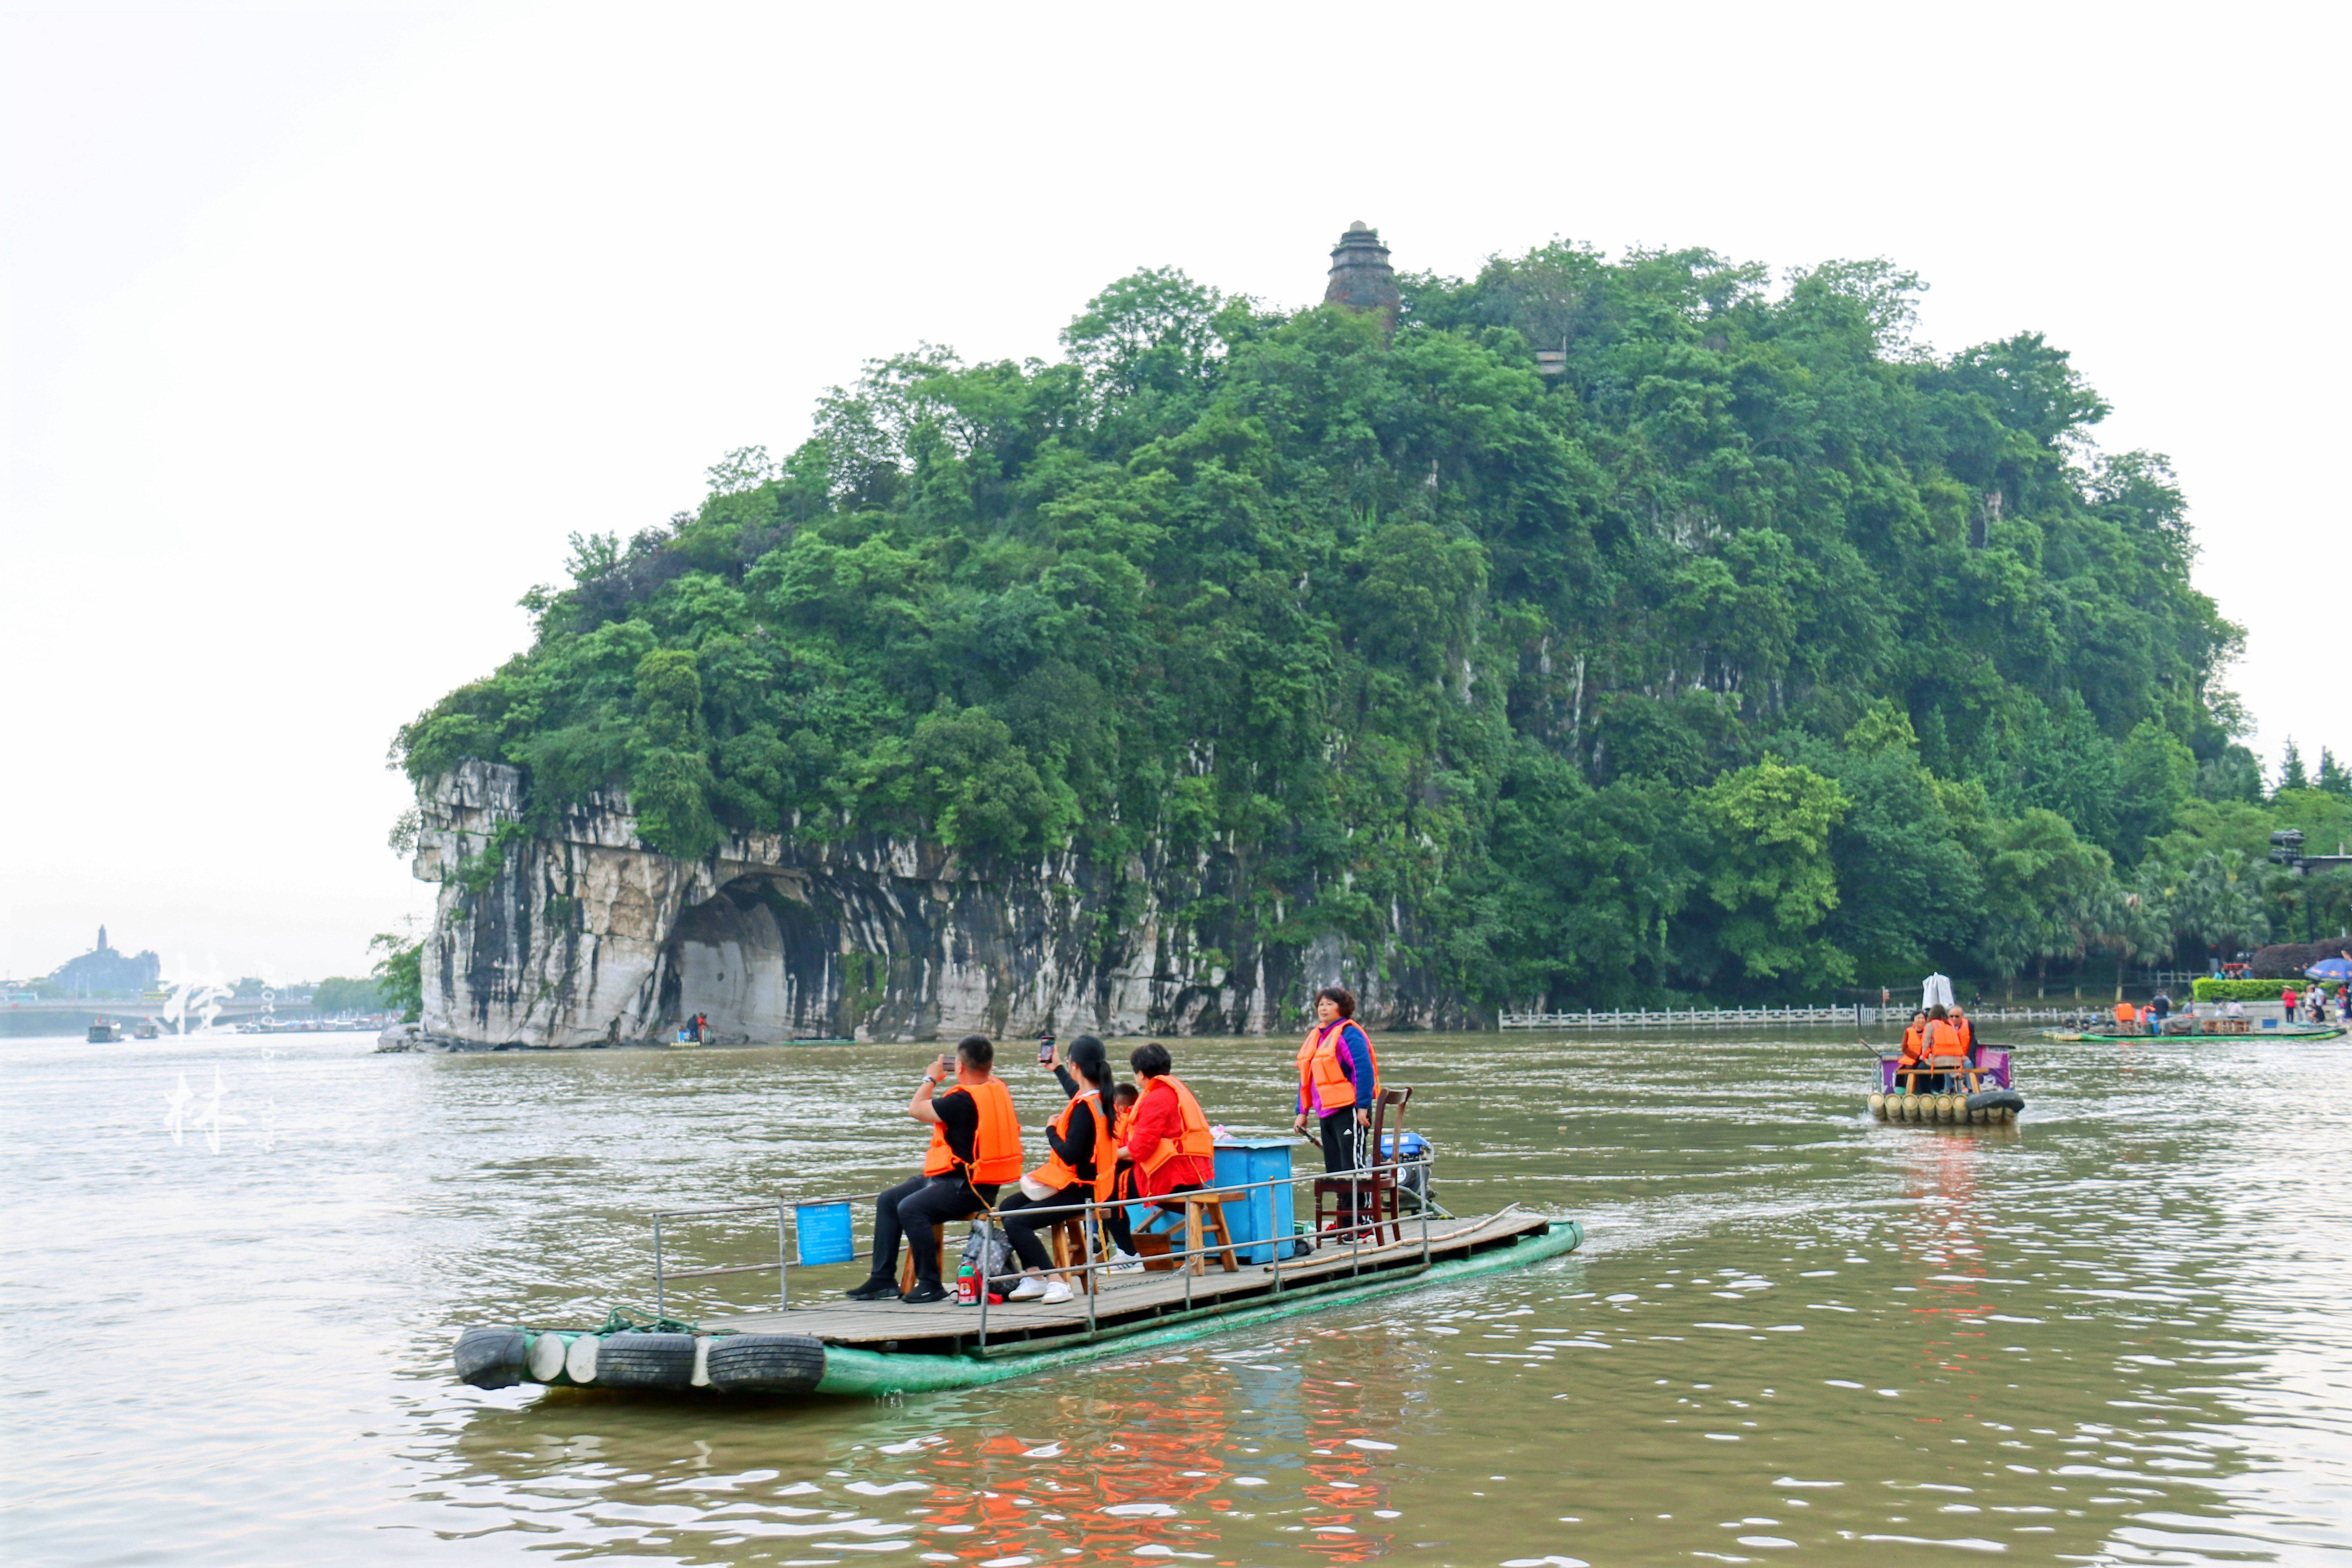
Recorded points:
(1056, 1293)
(1030, 1288)
(1124, 1263)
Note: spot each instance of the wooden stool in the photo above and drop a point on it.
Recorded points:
(1202, 1213)
(1067, 1238)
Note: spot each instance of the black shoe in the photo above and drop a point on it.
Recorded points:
(875, 1289)
(925, 1291)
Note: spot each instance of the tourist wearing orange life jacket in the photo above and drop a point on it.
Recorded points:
(1915, 1040)
(975, 1149)
(1933, 1034)
(1081, 1163)
(1966, 1028)
(1168, 1138)
(1337, 1078)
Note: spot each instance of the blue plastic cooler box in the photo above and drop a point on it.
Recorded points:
(1263, 1216)
(1257, 1219)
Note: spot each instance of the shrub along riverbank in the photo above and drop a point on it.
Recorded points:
(1759, 651)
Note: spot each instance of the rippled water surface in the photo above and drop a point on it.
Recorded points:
(2116, 1332)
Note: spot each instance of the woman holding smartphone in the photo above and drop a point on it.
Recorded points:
(1077, 1171)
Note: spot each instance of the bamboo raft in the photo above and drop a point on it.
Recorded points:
(2210, 1029)
(1986, 1097)
(858, 1349)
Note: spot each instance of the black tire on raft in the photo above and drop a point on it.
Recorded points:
(490, 1358)
(1997, 1100)
(646, 1361)
(766, 1363)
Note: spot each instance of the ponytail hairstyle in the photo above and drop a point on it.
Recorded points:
(1086, 1056)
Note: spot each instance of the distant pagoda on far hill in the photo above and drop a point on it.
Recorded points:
(102, 971)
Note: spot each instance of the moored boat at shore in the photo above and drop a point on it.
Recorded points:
(2208, 1028)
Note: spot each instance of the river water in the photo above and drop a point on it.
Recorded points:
(2116, 1332)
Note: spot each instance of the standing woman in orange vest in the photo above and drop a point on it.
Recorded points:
(975, 1149)
(1174, 1151)
(1338, 1077)
(1081, 1161)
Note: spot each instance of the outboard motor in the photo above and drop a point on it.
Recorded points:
(1414, 1184)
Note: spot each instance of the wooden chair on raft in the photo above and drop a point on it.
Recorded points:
(1370, 1190)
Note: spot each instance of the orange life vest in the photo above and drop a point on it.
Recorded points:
(995, 1143)
(1057, 1173)
(1937, 1037)
(2127, 1013)
(1193, 1136)
(1320, 1079)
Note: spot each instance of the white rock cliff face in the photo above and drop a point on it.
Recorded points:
(586, 937)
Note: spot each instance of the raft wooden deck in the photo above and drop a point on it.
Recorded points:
(1133, 1302)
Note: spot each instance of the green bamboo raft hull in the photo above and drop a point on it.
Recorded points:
(775, 1364)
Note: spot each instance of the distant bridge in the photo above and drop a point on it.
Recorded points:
(66, 1009)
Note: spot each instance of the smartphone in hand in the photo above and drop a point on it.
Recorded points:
(1044, 1050)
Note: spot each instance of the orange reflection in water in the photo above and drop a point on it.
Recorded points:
(1953, 1304)
(1053, 1494)
(1117, 1476)
(1344, 1480)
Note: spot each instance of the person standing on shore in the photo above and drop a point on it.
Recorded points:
(1338, 1077)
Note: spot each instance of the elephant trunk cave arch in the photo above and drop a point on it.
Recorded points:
(763, 961)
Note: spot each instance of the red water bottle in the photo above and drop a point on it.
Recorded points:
(967, 1286)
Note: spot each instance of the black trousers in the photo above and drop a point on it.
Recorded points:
(1339, 1140)
(1025, 1216)
(914, 1208)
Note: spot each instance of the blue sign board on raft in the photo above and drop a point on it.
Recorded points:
(822, 1233)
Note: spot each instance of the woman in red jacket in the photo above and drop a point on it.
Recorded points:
(1168, 1137)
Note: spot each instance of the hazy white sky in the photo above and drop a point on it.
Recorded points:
(324, 324)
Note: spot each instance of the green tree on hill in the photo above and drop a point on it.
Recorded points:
(1756, 645)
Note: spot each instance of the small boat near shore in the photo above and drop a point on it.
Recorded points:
(868, 1349)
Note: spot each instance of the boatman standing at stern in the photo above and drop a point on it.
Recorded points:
(975, 1149)
(1337, 1078)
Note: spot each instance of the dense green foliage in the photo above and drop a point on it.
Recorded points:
(399, 974)
(1757, 651)
(338, 993)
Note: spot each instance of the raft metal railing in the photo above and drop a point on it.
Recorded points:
(1365, 1181)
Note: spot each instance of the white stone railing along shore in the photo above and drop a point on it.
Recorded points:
(1689, 1017)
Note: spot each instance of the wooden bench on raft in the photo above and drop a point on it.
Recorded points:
(1959, 1069)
